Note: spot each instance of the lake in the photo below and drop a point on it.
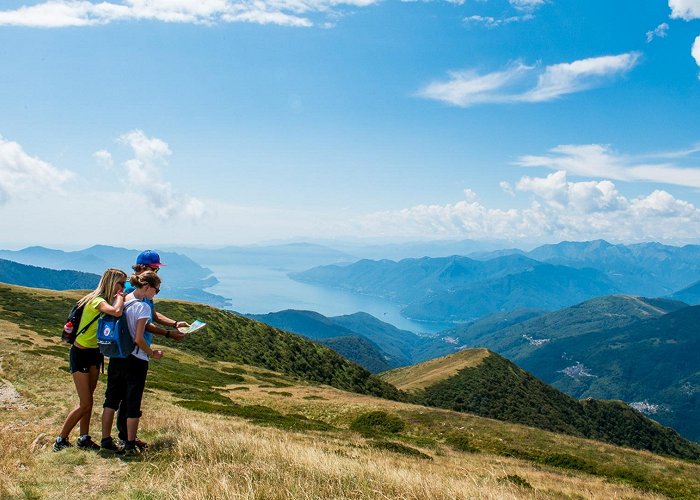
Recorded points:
(259, 290)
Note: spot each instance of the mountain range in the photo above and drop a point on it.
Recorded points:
(649, 269)
(360, 337)
(182, 277)
(461, 289)
(15, 273)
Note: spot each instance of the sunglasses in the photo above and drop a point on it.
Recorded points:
(156, 289)
(155, 269)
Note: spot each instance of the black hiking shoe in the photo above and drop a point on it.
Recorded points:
(60, 444)
(108, 444)
(141, 445)
(131, 451)
(86, 443)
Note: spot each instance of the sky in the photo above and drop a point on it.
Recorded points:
(218, 122)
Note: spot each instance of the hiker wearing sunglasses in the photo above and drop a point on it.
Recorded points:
(85, 358)
(149, 260)
(126, 377)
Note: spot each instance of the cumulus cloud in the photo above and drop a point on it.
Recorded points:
(559, 210)
(659, 32)
(685, 9)
(25, 176)
(144, 176)
(65, 13)
(522, 83)
(596, 160)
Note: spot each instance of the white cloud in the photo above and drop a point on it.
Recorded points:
(103, 158)
(684, 9)
(144, 175)
(25, 176)
(521, 83)
(528, 5)
(659, 32)
(596, 160)
(493, 22)
(559, 210)
(567, 78)
(65, 13)
(695, 51)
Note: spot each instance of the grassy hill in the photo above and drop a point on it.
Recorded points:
(639, 350)
(14, 273)
(228, 337)
(482, 382)
(220, 429)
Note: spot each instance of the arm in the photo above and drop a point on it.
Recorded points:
(162, 319)
(176, 335)
(114, 310)
(141, 342)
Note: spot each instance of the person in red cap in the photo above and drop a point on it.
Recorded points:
(148, 260)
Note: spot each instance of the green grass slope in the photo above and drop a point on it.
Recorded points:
(497, 388)
(223, 430)
(228, 337)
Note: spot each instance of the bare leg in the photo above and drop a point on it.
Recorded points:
(82, 385)
(85, 419)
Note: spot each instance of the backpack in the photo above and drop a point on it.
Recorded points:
(113, 336)
(70, 329)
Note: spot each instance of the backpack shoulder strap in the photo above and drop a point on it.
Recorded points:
(97, 316)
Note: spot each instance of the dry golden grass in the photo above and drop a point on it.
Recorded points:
(429, 372)
(200, 456)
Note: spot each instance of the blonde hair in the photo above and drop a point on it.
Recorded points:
(149, 278)
(107, 287)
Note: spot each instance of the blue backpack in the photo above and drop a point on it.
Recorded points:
(113, 336)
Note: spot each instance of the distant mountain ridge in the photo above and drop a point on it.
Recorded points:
(14, 273)
(182, 277)
(482, 382)
(460, 289)
(360, 337)
(649, 269)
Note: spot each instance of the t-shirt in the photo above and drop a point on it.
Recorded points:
(136, 310)
(128, 288)
(90, 311)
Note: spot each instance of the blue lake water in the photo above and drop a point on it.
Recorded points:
(260, 290)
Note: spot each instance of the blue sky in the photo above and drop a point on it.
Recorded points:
(226, 122)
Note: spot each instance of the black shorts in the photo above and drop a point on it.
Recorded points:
(126, 380)
(82, 360)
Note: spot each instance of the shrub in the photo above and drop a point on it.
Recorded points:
(377, 422)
